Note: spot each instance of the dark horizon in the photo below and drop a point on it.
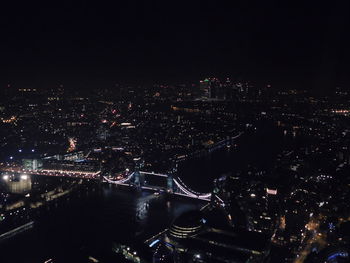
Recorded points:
(288, 45)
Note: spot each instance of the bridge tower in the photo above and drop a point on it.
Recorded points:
(137, 176)
(170, 183)
(139, 179)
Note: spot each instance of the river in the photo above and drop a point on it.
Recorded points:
(88, 220)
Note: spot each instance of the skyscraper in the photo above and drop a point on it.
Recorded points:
(211, 88)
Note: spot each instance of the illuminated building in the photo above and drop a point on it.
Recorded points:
(200, 237)
(211, 88)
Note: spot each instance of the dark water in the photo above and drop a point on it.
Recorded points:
(90, 219)
(256, 149)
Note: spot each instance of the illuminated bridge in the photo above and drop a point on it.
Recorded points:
(137, 179)
(52, 172)
(148, 181)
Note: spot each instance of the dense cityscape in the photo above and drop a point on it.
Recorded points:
(267, 168)
(174, 132)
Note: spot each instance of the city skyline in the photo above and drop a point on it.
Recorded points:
(170, 132)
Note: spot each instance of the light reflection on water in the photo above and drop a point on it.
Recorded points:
(90, 219)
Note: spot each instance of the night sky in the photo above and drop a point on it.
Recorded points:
(86, 44)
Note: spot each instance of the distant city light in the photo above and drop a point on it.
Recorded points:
(72, 144)
(271, 191)
(24, 177)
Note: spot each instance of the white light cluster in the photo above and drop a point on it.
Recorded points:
(191, 193)
(119, 181)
